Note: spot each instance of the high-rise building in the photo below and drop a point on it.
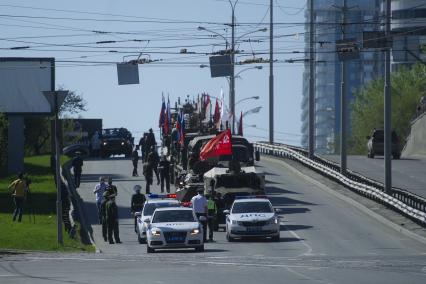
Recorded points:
(409, 32)
(361, 15)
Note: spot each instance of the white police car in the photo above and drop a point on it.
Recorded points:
(252, 217)
(174, 228)
(154, 201)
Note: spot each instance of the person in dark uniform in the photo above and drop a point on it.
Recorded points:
(150, 140)
(112, 189)
(137, 202)
(164, 167)
(135, 159)
(153, 160)
(77, 165)
(112, 220)
(104, 218)
(147, 172)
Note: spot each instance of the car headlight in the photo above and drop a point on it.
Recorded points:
(195, 231)
(155, 232)
(273, 220)
(104, 143)
(122, 143)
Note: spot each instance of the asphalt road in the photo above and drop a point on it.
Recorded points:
(407, 173)
(323, 240)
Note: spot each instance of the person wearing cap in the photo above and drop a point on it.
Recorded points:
(112, 220)
(19, 190)
(99, 190)
(164, 167)
(199, 205)
(112, 189)
(103, 214)
(150, 140)
(137, 202)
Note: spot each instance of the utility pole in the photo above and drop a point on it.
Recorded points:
(343, 104)
(58, 175)
(388, 102)
(311, 137)
(232, 77)
(271, 73)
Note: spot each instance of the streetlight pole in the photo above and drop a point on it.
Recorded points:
(343, 111)
(388, 103)
(232, 77)
(311, 137)
(58, 175)
(271, 74)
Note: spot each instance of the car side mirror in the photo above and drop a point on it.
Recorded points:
(147, 220)
(138, 214)
(277, 210)
(226, 211)
(257, 156)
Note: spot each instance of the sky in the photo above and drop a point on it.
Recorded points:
(88, 38)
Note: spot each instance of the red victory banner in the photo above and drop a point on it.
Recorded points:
(217, 146)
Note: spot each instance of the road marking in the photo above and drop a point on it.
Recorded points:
(9, 275)
(308, 247)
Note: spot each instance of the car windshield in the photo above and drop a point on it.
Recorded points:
(149, 208)
(251, 207)
(173, 216)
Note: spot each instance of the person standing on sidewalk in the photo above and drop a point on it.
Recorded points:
(19, 190)
(104, 217)
(112, 220)
(99, 190)
(77, 165)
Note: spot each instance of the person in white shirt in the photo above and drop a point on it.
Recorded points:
(199, 205)
(99, 194)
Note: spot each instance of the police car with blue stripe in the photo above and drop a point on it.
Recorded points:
(174, 228)
(252, 217)
(154, 201)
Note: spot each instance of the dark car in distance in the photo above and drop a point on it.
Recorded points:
(376, 144)
(116, 141)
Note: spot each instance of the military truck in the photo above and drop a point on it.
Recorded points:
(116, 141)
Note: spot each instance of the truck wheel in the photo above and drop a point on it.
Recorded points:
(140, 240)
(199, 249)
(276, 238)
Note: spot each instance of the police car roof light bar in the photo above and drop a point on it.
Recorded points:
(154, 196)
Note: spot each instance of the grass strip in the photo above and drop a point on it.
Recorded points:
(37, 231)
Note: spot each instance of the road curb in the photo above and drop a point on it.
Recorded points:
(353, 202)
(79, 202)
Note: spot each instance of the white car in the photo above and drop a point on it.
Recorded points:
(149, 207)
(252, 217)
(174, 228)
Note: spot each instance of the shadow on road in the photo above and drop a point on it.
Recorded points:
(189, 250)
(264, 240)
(271, 190)
(293, 210)
(294, 227)
(286, 201)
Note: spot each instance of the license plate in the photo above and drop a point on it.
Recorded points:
(254, 229)
(175, 238)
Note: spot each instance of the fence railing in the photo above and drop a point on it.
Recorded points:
(400, 200)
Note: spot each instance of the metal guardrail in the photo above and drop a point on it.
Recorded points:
(407, 203)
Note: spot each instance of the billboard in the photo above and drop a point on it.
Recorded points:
(23, 81)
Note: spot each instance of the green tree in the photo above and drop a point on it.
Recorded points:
(38, 129)
(408, 86)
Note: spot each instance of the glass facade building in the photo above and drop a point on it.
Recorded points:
(361, 15)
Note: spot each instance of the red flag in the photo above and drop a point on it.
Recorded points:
(240, 126)
(217, 146)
